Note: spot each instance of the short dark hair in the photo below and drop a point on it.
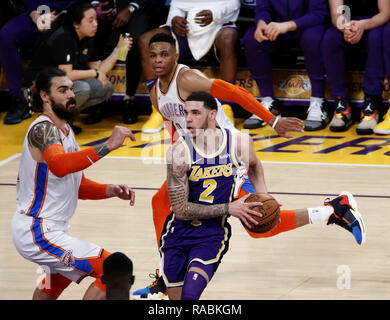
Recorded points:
(117, 264)
(43, 83)
(163, 37)
(208, 100)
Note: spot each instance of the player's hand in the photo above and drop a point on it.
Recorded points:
(259, 33)
(242, 210)
(287, 124)
(122, 18)
(180, 26)
(118, 136)
(204, 17)
(274, 29)
(121, 191)
(45, 20)
(355, 33)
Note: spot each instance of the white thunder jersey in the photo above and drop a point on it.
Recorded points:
(171, 105)
(39, 193)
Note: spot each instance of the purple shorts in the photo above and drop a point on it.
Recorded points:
(184, 49)
(185, 242)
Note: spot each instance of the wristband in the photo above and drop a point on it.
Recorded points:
(274, 124)
(97, 73)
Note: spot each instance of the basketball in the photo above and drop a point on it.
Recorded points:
(270, 211)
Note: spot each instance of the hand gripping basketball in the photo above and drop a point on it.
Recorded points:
(244, 211)
(270, 210)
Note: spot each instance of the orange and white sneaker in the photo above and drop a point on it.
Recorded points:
(369, 116)
(346, 215)
(155, 122)
(384, 126)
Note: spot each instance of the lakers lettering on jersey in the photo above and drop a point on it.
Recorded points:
(212, 178)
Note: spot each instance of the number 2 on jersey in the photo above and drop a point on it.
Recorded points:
(210, 185)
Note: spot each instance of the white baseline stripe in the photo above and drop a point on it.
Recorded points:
(271, 162)
(5, 161)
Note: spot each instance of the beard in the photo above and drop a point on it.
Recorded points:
(65, 112)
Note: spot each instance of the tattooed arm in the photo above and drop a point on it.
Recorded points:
(45, 134)
(178, 190)
(45, 146)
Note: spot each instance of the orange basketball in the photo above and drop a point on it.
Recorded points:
(270, 211)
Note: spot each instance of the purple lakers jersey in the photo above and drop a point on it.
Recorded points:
(212, 178)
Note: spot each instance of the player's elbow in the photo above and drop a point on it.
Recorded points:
(58, 171)
(179, 211)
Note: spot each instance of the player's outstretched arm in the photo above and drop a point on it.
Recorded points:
(226, 91)
(45, 145)
(91, 190)
(246, 154)
(192, 80)
(178, 190)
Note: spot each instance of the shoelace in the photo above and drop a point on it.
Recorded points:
(267, 103)
(315, 111)
(155, 282)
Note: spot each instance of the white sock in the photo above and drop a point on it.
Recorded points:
(319, 214)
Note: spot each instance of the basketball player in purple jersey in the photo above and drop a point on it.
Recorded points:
(202, 168)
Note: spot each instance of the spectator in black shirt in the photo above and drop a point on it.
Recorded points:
(70, 47)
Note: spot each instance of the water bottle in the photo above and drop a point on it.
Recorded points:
(123, 49)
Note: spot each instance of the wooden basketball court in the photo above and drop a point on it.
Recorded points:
(312, 262)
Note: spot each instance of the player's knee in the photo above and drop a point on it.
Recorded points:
(54, 284)
(97, 267)
(194, 284)
(200, 271)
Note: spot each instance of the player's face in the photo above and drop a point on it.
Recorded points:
(197, 117)
(162, 57)
(62, 98)
(88, 25)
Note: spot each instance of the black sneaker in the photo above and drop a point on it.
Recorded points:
(369, 115)
(19, 112)
(346, 215)
(156, 291)
(254, 122)
(130, 112)
(342, 117)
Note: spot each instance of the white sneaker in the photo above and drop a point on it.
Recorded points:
(317, 117)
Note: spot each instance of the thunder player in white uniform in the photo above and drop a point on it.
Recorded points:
(50, 182)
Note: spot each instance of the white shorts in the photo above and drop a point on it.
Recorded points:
(47, 243)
